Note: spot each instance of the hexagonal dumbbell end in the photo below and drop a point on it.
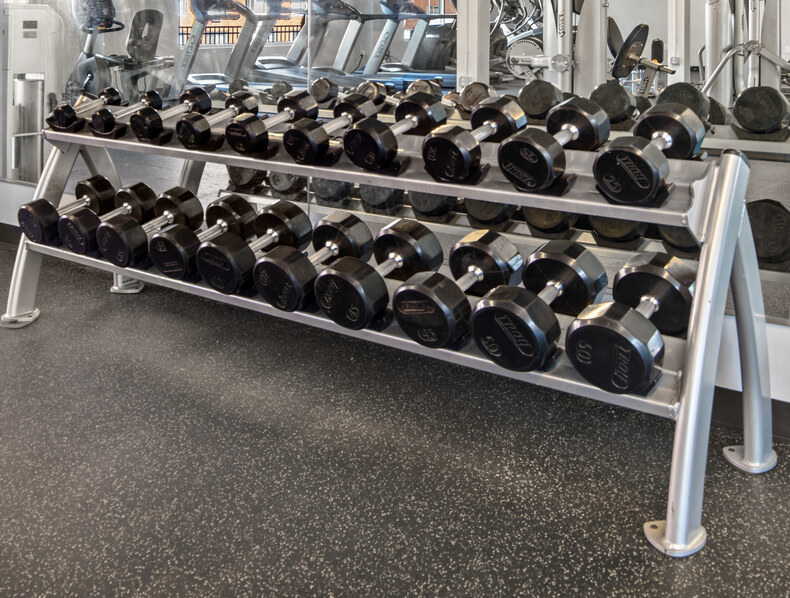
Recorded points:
(687, 95)
(434, 309)
(517, 328)
(761, 109)
(538, 97)
(285, 276)
(675, 122)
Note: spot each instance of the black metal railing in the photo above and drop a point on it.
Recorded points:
(229, 34)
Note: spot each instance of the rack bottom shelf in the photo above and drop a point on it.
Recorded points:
(662, 401)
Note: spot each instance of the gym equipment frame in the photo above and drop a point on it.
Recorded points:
(707, 198)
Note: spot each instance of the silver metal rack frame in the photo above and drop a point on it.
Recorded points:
(707, 198)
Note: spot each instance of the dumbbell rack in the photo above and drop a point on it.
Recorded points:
(707, 198)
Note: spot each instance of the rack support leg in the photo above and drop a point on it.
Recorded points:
(682, 534)
(756, 455)
(21, 307)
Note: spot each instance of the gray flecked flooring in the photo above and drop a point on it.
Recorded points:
(163, 445)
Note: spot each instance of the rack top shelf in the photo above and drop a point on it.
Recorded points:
(689, 177)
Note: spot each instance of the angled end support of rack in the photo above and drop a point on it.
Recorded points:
(21, 308)
(728, 253)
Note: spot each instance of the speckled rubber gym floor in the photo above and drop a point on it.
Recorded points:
(164, 445)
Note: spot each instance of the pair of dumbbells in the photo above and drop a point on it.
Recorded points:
(633, 170)
(154, 126)
(113, 123)
(39, 219)
(197, 130)
(248, 134)
(375, 199)
(618, 346)
(72, 118)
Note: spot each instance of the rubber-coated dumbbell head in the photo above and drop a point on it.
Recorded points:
(429, 86)
(679, 122)
(375, 91)
(616, 230)
(505, 111)
(761, 109)
(489, 213)
(285, 276)
(618, 103)
(687, 95)
(538, 97)
(549, 221)
(472, 94)
(39, 219)
(124, 242)
(434, 310)
(173, 249)
(248, 134)
(770, 221)
(589, 119)
(323, 90)
(103, 120)
(226, 263)
(431, 204)
(630, 170)
(381, 200)
(517, 329)
(78, 230)
(353, 294)
(330, 191)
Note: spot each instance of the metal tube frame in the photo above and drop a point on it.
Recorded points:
(682, 533)
(727, 254)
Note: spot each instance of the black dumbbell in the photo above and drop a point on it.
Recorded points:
(381, 200)
(517, 328)
(770, 222)
(354, 294)
(761, 109)
(431, 205)
(618, 345)
(148, 124)
(72, 118)
(373, 145)
(173, 249)
(78, 230)
(285, 275)
(618, 103)
(323, 90)
(474, 93)
(307, 141)
(39, 218)
(633, 170)
(105, 121)
(226, 262)
(434, 310)
(538, 97)
(534, 159)
(429, 86)
(452, 154)
(194, 130)
(615, 232)
(489, 214)
(550, 223)
(124, 241)
(248, 134)
(328, 192)
(687, 95)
